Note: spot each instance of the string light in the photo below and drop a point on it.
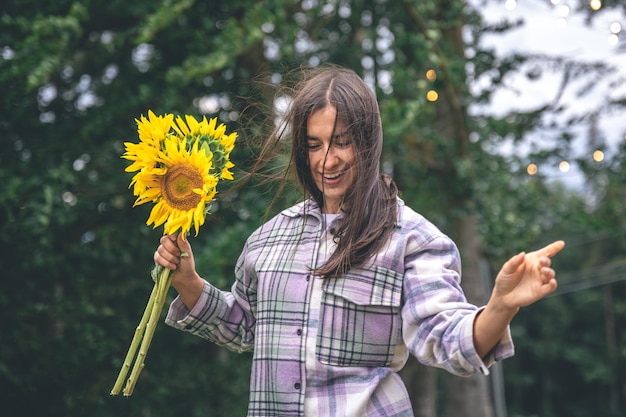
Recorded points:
(595, 4)
(616, 27)
(510, 4)
(432, 95)
(563, 11)
(598, 156)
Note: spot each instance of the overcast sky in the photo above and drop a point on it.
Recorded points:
(555, 28)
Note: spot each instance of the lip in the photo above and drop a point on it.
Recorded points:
(334, 177)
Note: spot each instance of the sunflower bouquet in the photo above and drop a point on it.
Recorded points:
(178, 164)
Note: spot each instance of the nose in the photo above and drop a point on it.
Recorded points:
(331, 158)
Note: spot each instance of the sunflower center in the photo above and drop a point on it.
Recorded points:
(177, 186)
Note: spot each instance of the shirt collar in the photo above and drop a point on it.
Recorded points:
(311, 208)
(307, 207)
(400, 209)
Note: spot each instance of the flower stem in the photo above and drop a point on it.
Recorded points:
(162, 285)
(134, 344)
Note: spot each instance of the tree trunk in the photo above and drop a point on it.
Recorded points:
(469, 397)
(466, 397)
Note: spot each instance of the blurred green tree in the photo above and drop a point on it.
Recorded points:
(76, 257)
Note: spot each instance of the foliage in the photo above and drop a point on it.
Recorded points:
(74, 75)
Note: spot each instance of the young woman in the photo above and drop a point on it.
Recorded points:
(333, 293)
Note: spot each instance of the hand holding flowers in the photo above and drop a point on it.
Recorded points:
(178, 164)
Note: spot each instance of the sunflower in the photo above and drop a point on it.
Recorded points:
(184, 187)
(179, 165)
(151, 131)
(213, 138)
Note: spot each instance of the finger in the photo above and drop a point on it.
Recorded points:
(545, 262)
(550, 282)
(165, 259)
(167, 254)
(512, 265)
(169, 243)
(167, 240)
(547, 288)
(183, 244)
(547, 273)
(551, 249)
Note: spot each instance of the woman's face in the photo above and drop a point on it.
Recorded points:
(331, 159)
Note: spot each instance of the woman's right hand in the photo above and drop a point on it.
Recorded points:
(175, 253)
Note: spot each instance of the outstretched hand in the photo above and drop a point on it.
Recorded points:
(527, 277)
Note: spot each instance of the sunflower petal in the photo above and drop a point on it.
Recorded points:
(174, 168)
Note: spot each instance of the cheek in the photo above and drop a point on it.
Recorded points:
(355, 167)
(312, 167)
(350, 158)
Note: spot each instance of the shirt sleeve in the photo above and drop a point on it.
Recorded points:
(437, 318)
(224, 317)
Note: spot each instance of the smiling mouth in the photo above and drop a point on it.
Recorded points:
(334, 176)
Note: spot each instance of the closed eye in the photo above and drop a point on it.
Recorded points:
(340, 140)
(313, 145)
(343, 143)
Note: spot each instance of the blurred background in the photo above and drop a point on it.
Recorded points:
(504, 124)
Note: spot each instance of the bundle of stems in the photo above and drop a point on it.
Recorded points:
(178, 163)
(144, 332)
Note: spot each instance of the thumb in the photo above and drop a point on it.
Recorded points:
(183, 244)
(511, 266)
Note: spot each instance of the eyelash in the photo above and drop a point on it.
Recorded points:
(340, 144)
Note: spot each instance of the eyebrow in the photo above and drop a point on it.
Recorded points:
(335, 136)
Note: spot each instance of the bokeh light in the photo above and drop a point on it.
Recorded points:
(564, 166)
(616, 27)
(598, 156)
(532, 169)
(432, 95)
(595, 4)
(510, 4)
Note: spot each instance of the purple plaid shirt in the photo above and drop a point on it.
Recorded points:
(343, 359)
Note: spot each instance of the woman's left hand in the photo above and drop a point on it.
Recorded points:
(527, 277)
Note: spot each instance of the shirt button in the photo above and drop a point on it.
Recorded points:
(297, 385)
(299, 332)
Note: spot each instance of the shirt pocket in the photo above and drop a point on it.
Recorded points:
(359, 318)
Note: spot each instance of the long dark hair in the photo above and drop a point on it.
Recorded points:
(369, 206)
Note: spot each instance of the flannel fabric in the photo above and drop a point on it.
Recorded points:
(336, 345)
